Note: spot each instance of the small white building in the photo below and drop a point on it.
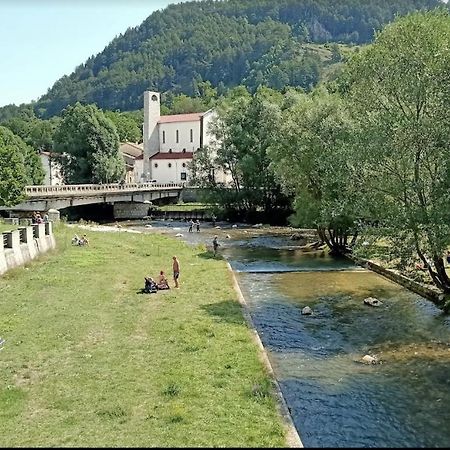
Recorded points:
(132, 154)
(171, 141)
(52, 168)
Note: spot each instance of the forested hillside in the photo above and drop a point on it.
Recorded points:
(229, 42)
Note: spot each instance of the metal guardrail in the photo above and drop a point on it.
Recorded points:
(95, 189)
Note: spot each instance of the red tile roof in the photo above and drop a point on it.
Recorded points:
(173, 155)
(181, 118)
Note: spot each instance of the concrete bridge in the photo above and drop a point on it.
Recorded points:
(129, 200)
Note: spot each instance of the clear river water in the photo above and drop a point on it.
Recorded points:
(336, 400)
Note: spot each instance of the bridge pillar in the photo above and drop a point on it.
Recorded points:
(53, 215)
(130, 210)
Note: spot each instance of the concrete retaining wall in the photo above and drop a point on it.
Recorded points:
(18, 247)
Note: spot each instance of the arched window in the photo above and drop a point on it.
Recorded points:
(184, 164)
(178, 136)
(156, 165)
(154, 98)
(170, 165)
(184, 150)
(170, 150)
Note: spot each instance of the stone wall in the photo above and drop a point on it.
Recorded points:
(433, 294)
(18, 247)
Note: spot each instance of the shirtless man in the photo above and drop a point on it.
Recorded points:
(176, 270)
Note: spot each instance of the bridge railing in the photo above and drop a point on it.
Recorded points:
(92, 189)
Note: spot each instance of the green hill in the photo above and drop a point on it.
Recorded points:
(228, 43)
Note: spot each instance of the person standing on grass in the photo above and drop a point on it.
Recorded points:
(197, 224)
(176, 270)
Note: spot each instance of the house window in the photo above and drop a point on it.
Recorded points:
(184, 164)
(192, 135)
(164, 137)
(156, 165)
(170, 150)
(183, 176)
(184, 150)
(170, 165)
(178, 136)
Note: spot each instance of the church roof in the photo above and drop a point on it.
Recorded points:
(181, 118)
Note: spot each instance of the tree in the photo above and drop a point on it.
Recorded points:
(19, 166)
(313, 158)
(88, 141)
(244, 131)
(127, 126)
(400, 90)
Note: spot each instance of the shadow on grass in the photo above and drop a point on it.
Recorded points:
(228, 311)
(209, 255)
(143, 291)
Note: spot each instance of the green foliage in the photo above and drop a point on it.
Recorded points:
(400, 90)
(128, 125)
(35, 132)
(19, 166)
(313, 158)
(264, 42)
(89, 143)
(245, 129)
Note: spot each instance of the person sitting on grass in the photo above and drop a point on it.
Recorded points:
(162, 281)
(150, 285)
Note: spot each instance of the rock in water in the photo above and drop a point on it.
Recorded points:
(372, 301)
(367, 359)
(306, 311)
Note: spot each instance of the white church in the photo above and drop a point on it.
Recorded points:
(171, 141)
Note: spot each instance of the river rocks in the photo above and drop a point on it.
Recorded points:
(234, 226)
(297, 237)
(307, 311)
(179, 235)
(372, 301)
(368, 359)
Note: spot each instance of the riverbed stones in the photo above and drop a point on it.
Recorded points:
(372, 301)
(307, 311)
(368, 359)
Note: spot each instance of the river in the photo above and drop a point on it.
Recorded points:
(336, 400)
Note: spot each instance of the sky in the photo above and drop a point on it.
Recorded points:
(42, 40)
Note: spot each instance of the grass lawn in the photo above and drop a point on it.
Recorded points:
(7, 226)
(89, 361)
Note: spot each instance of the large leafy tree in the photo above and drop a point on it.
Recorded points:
(127, 125)
(89, 144)
(400, 90)
(314, 159)
(244, 131)
(19, 166)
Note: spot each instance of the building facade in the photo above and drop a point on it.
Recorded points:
(52, 168)
(171, 141)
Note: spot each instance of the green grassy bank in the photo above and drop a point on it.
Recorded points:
(89, 361)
